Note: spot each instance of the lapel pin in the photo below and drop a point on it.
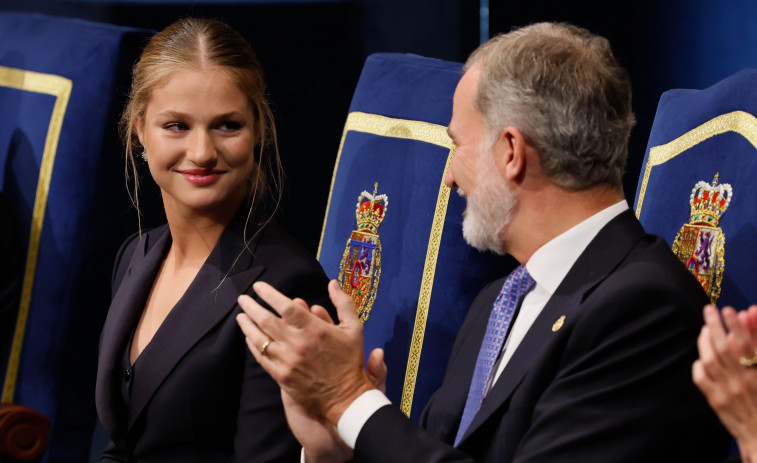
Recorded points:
(558, 324)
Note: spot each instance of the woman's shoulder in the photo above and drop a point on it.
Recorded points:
(288, 266)
(129, 247)
(287, 262)
(278, 246)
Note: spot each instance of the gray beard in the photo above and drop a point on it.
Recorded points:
(490, 207)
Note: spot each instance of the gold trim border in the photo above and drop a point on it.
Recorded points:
(740, 122)
(60, 88)
(429, 133)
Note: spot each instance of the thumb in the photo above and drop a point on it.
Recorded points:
(345, 306)
(377, 369)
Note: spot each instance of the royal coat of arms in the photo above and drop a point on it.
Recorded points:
(700, 244)
(360, 269)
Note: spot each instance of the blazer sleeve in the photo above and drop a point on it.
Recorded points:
(294, 275)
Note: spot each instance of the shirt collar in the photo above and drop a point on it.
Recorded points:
(551, 262)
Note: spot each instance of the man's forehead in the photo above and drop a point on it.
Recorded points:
(462, 102)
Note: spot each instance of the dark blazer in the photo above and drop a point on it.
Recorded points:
(196, 392)
(613, 384)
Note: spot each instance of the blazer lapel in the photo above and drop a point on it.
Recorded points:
(604, 253)
(228, 272)
(125, 310)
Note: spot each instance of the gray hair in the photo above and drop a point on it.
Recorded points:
(563, 89)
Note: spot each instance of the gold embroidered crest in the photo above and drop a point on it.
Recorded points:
(360, 269)
(700, 244)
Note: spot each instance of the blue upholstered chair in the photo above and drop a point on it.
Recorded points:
(64, 210)
(392, 234)
(697, 187)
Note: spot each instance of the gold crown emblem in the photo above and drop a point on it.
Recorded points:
(709, 202)
(370, 210)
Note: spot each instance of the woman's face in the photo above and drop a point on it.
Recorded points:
(199, 133)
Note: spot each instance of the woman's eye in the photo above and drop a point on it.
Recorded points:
(230, 126)
(175, 126)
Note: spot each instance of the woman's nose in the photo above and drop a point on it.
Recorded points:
(202, 149)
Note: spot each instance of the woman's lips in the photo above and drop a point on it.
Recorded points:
(201, 177)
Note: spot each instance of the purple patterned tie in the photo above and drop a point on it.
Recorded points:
(518, 283)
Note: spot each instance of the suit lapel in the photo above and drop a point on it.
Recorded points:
(605, 252)
(228, 272)
(124, 312)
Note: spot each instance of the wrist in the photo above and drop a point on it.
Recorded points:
(336, 410)
(338, 456)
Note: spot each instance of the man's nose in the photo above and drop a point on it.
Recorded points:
(449, 178)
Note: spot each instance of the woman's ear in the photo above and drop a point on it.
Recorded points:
(140, 130)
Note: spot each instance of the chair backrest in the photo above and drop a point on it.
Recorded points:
(696, 188)
(62, 82)
(393, 231)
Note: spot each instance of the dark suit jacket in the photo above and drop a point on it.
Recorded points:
(196, 392)
(613, 384)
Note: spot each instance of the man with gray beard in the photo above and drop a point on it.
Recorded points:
(583, 353)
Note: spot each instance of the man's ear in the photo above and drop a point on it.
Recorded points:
(510, 153)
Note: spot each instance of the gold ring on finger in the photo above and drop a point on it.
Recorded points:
(265, 346)
(749, 362)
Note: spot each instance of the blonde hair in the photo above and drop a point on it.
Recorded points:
(188, 44)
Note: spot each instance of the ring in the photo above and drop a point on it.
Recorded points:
(749, 362)
(265, 346)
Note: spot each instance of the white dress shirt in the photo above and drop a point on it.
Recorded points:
(548, 267)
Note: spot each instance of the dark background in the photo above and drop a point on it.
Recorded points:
(312, 53)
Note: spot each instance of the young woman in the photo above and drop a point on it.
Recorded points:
(175, 380)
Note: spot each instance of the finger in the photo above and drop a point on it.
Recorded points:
(377, 369)
(717, 334)
(345, 306)
(249, 328)
(700, 377)
(268, 323)
(322, 313)
(711, 363)
(316, 310)
(738, 336)
(292, 312)
(712, 390)
(255, 338)
(301, 302)
(751, 324)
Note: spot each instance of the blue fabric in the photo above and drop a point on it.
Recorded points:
(409, 172)
(407, 87)
(517, 284)
(85, 218)
(665, 207)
